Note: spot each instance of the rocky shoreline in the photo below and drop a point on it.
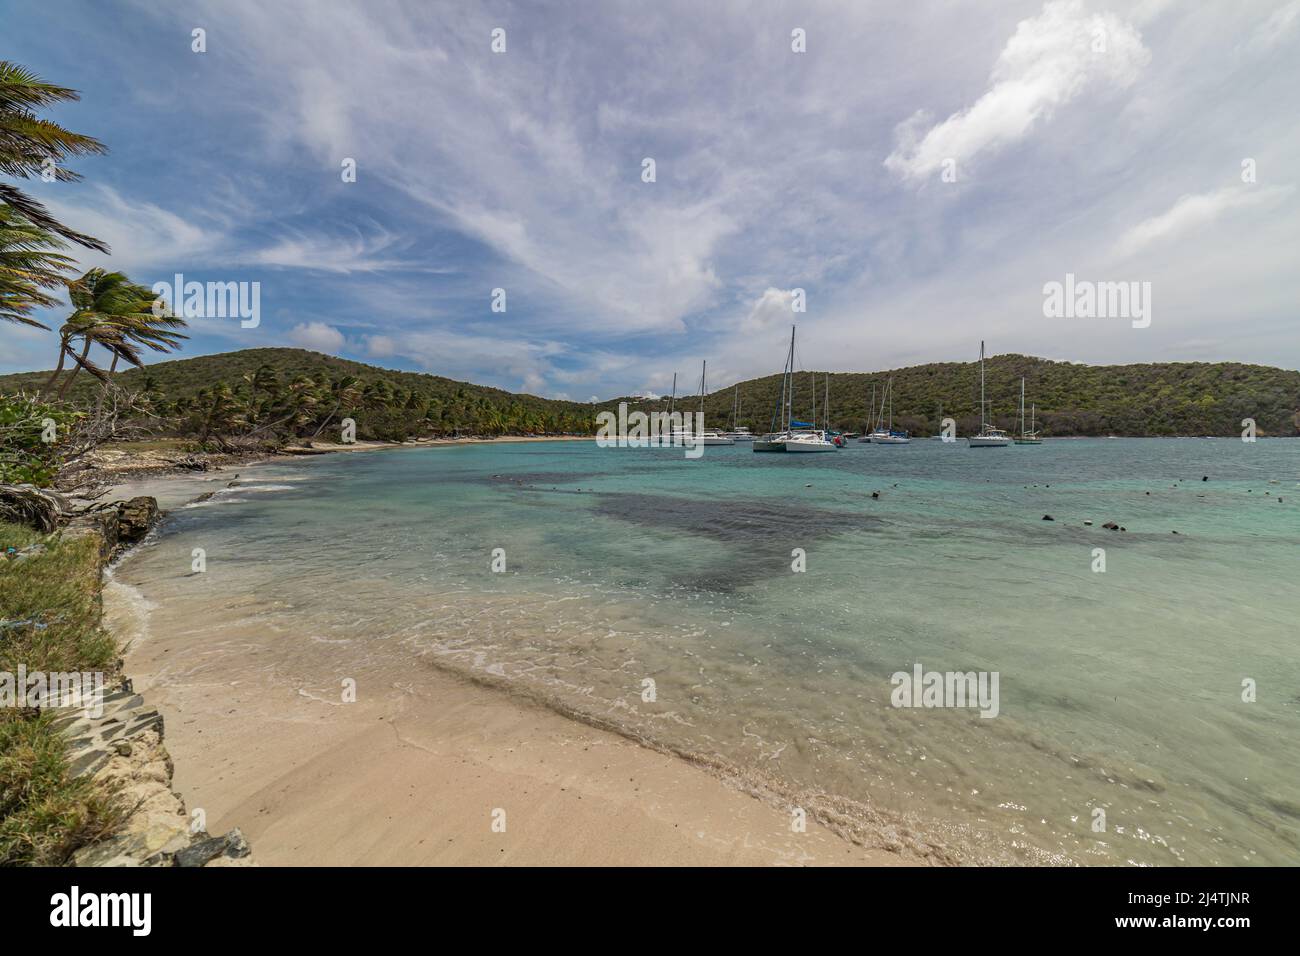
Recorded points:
(122, 748)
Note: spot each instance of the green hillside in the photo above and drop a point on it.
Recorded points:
(293, 391)
(1173, 398)
(1193, 398)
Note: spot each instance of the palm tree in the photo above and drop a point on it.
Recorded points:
(29, 265)
(29, 145)
(218, 411)
(344, 391)
(112, 311)
(265, 379)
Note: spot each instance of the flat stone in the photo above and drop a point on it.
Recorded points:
(136, 845)
(202, 852)
(89, 762)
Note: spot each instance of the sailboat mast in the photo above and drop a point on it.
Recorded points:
(672, 402)
(703, 372)
(983, 423)
(790, 403)
(1022, 406)
(826, 405)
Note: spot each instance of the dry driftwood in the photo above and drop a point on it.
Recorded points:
(38, 508)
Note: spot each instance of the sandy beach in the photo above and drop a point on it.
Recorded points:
(413, 772)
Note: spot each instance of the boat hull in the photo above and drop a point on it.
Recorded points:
(808, 446)
(978, 442)
(762, 444)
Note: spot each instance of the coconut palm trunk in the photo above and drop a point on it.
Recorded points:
(81, 361)
(58, 369)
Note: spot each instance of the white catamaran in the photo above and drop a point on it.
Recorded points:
(807, 437)
(989, 437)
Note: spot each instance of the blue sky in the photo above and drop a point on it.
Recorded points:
(775, 170)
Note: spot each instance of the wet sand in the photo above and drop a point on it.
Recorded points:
(416, 770)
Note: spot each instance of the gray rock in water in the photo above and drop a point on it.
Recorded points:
(202, 852)
(1048, 518)
(135, 518)
(1111, 526)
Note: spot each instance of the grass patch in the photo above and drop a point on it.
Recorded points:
(46, 815)
(49, 621)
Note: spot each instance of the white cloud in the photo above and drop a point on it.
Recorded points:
(773, 308)
(139, 233)
(1191, 212)
(320, 252)
(317, 336)
(1049, 61)
(1274, 30)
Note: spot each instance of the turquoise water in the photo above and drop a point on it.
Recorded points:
(1119, 691)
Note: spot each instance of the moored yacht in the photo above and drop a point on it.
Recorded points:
(775, 440)
(707, 436)
(1027, 436)
(888, 435)
(808, 440)
(989, 436)
(772, 441)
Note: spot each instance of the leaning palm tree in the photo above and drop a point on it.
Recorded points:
(30, 146)
(111, 311)
(345, 390)
(265, 379)
(29, 266)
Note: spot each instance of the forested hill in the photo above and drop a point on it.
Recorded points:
(233, 392)
(1168, 398)
(1176, 398)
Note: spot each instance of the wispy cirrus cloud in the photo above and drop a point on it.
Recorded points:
(1198, 210)
(1049, 61)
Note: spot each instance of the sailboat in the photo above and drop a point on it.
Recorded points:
(939, 437)
(738, 431)
(835, 438)
(866, 438)
(887, 436)
(776, 438)
(708, 436)
(989, 436)
(805, 436)
(1026, 437)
